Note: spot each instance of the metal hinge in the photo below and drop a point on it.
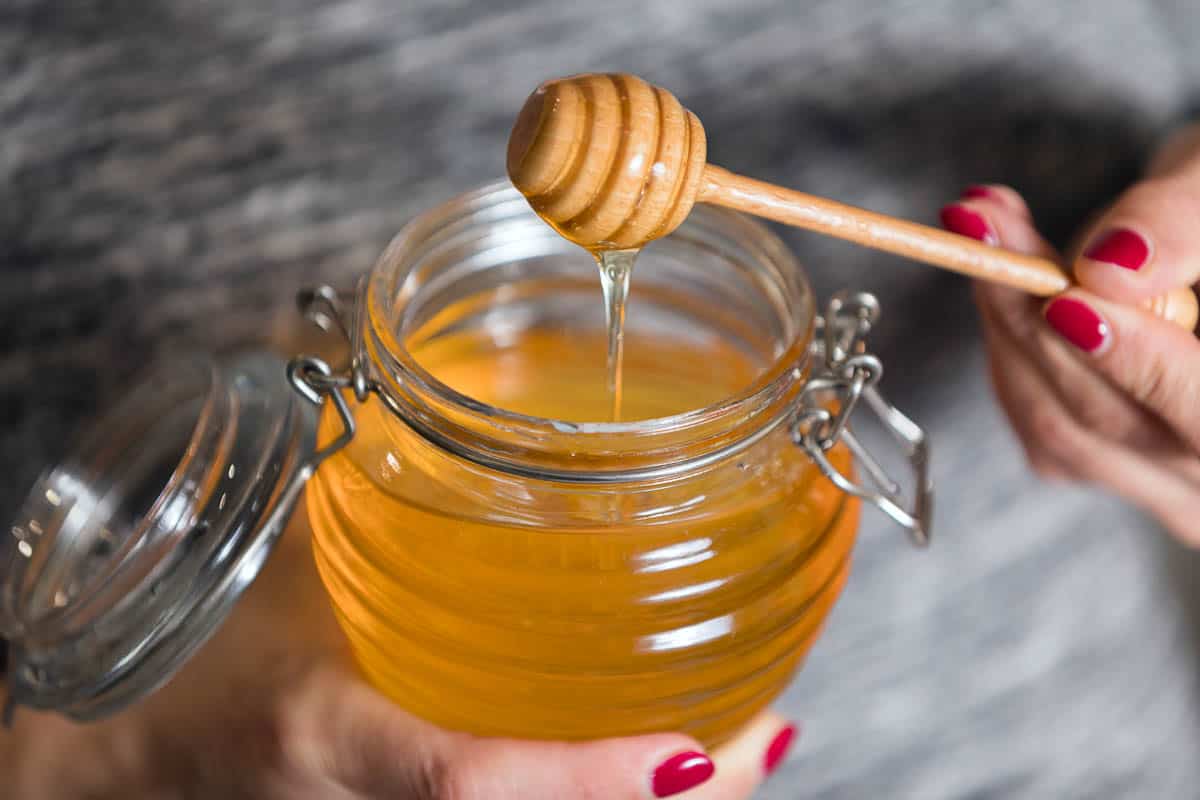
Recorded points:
(846, 376)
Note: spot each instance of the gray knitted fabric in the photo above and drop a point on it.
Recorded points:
(172, 170)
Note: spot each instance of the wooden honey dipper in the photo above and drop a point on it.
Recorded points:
(613, 163)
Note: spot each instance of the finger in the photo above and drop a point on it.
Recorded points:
(1003, 216)
(998, 216)
(1155, 362)
(359, 741)
(1145, 244)
(1087, 396)
(1006, 218)
(1048, 430)
(742, 764)
(736, 770)
(340, 732)
(1007, 196)
(1005, 371)
(1028, 400)
(636, 768)
(1179, 154)
(1053, 440)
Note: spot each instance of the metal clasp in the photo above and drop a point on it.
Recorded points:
(843, 377)
(316, 381)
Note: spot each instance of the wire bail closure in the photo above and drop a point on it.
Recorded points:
(847, 375)
(844, 376)
(314, 380)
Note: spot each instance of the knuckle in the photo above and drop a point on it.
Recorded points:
(1059, 443)
(1149, 196)
(300, 739)
(1046, 430)
(1162, 378)
(997, 304)
(1094, 414)
(451, 782)
(1042, 464)
(478, 772)
(1019, 312)
(1169, 198)
(1154, 386)
(1181, 192)
(1011, 198)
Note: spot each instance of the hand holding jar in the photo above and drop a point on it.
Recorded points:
(271, 708)
(1097, 390)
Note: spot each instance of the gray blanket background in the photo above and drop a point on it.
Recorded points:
(172, 170)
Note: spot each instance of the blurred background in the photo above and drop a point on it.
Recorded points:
(172, 171)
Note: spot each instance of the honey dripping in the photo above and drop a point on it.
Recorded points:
(616, 268)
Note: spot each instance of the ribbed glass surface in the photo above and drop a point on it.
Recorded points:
(520, 607)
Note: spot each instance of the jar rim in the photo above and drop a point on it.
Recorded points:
(777, 382)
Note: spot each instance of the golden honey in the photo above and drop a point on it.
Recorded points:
(505, 606)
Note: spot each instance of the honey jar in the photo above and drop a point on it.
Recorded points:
(503, 558)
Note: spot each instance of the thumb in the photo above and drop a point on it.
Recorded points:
(345, 734)
(757, 752)
(634, 768)
(1155, 362)
(1145, 244)
(638, 768)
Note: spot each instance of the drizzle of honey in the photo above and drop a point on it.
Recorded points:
(616, 269)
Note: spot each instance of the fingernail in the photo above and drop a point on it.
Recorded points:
(977, 191)
(778, 749)
(965, 222)
(681, 772)
(1077, 323)
(1122, 247)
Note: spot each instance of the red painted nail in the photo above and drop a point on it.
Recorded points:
(1122, 247)
(778, 749)
(965, 222)
(977, 191)
(1078, 323)
(681, 772)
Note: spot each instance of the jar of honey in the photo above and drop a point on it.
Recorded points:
(503, 557)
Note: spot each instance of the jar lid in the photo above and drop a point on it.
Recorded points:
(129, 554)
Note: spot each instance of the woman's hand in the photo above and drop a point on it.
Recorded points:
(1096, 389)
(272, 709)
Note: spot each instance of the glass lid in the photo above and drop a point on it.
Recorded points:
(128, 555)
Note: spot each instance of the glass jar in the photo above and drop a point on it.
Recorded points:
(607, 579)
(504, 568)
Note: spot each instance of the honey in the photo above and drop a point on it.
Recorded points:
(536, 609)
(616, 271)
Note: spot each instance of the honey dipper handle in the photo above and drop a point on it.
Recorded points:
(1038, 276)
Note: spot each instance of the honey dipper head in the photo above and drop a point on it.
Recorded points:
(609, 160)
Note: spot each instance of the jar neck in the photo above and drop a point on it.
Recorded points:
(489, 235)
(583, 452)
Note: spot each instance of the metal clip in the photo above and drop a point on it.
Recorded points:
(846, 375)
(325, 307)
(316, 381)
